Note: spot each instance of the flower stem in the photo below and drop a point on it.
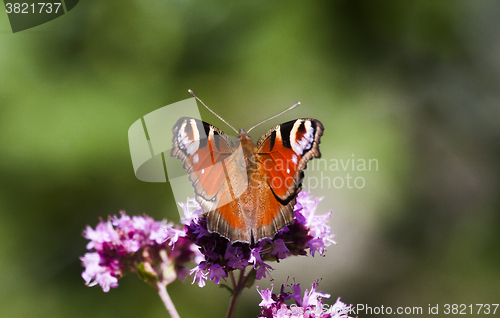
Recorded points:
(237, 289)
(162, 290)
(233, 281)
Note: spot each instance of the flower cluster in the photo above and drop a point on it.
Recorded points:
(157, 251)
(220, 257)
(309, 306)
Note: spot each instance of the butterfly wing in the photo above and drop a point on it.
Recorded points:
(217, 171)
(202, 148)
(283, 153)
(229, 218)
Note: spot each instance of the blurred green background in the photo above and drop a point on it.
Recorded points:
(413, 84)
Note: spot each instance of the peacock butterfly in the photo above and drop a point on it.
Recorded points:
(248, 190)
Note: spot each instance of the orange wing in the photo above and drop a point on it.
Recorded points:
(226, 216)
(217, 171)
(283, 153)
(202, 148)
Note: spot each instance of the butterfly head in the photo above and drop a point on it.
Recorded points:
(243, 136)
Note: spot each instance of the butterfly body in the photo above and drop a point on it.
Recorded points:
(248, 190)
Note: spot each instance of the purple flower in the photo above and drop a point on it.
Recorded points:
(296, 292)
(317, 224)
(262, 270)
(234, 256)
(255, 257)
(200, 275)
(103, 232)
(266, 296)
(340, 309)
(172, 234)
(216, 273)
(312, 298)
(307, 231)
(95, 274)
(191, 210)
(311, 306)
(280, 249)
(135, 244)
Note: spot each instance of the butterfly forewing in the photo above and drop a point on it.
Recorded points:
(284, 151)
(202, 148)
(218, 173)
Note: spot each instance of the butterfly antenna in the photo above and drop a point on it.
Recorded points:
(289, 108)
(192, 93)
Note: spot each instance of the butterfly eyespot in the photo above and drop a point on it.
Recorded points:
(294, 159)
(188, 137)
(287, 170)
(302, 136)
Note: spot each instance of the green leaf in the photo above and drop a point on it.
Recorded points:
(146, 275)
